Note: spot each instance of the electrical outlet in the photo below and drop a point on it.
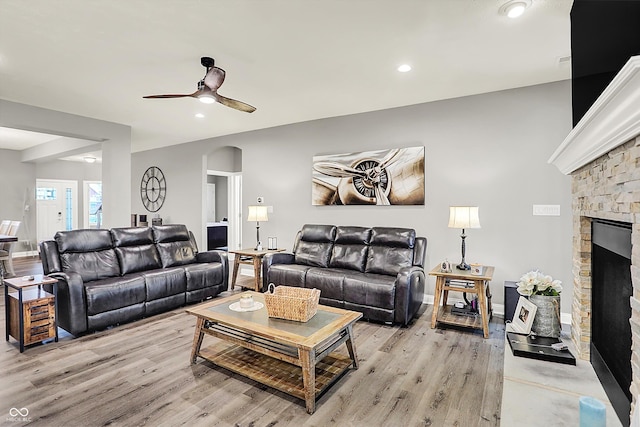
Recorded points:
(260, 199)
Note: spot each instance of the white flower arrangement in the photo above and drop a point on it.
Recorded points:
(537, 283)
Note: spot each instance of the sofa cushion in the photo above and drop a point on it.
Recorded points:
(373, 290)
(114, 293)
(353, 235)
(390, 250)
(174, 245)
(204, 275)
(350, 248)
(87, 252)
(176, 253)
(170, 233)
(83, 240)
(91, 265)
(165, 282)
(328, 280)
(131, 236)
(288, 274)
(386, 260)
(396, 237)
(138, 258)
(315, 245)
(313, 254)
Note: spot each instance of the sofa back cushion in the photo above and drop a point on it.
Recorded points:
(350, 249)
(135, 249)
(390, 249)
(87, 252)
(315, 244)
(174, 245)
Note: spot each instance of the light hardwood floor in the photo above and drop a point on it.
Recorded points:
(139, 374)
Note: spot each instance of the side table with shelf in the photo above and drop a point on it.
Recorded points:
(30, 311)
(250, 257)
(478, 284)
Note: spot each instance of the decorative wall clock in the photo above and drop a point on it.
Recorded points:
(153, 189)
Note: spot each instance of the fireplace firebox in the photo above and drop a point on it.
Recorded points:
(611, 290)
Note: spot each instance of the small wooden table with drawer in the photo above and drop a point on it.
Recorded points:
(30, 311)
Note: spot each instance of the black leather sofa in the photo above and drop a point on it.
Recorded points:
(107, 277)
(377, 271)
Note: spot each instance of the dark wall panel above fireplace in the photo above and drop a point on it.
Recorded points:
(604, 35)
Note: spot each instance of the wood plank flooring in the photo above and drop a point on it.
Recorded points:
(139, 374)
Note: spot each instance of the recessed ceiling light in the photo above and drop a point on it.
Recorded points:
(514, 8)
(89, 159)
(200, 115)
(404, 68)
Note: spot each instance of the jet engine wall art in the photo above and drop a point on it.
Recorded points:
(383, 177)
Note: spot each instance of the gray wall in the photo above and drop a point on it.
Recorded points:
(18, 187)
(488, 150)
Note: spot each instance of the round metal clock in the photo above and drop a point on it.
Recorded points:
(153, 189)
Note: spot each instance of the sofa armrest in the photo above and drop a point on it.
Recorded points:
(216, 256)
(274, 258)
(72, 307)
(409, 293)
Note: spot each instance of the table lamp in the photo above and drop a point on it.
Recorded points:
(463, 217)
(257, 214)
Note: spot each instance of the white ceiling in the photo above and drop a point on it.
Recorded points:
(295, 60)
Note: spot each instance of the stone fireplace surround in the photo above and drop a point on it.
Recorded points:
(602, 155)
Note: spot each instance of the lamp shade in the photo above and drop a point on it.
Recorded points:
(464, 217)
(258, 213)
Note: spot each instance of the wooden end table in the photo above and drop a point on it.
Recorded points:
(30, 314)
(479, 285)
(250, 257)
(297, 358)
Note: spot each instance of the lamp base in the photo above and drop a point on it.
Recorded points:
(463, 266)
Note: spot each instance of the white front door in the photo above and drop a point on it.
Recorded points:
(56, 207)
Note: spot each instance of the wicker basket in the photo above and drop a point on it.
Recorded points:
(291, 303)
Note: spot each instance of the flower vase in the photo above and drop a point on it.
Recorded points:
(546, 322)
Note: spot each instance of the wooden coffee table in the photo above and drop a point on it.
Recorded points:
(296, 358)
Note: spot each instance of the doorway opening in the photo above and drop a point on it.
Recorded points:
(56, 207)
(92, 204)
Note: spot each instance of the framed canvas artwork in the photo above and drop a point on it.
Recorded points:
(383, 177)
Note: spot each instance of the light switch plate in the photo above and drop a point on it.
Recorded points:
(546, 210)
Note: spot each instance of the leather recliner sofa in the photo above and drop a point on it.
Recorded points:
(107, 277)
(377, 271)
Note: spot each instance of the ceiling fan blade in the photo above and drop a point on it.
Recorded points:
(193, 95)
(238, 105)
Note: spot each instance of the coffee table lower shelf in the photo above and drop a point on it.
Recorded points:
(275, 373)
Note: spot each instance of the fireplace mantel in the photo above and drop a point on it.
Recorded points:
(612, 120)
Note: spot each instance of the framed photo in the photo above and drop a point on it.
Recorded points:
(523, 316)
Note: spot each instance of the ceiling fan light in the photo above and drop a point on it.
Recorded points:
(206, 98)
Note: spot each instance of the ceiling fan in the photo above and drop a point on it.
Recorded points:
(208, 88)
